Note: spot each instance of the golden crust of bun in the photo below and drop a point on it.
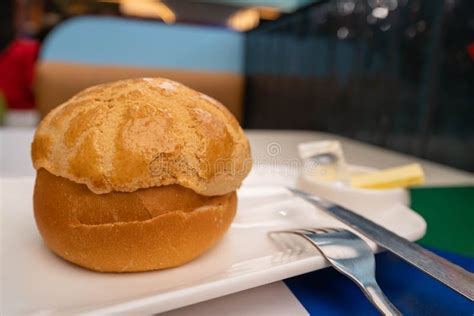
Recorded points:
(148, 229)
(140, 133)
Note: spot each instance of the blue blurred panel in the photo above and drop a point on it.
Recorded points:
(100, 40)
(284, 5)
(327, 292)
(344, 53)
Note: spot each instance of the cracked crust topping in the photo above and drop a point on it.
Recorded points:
(141, 133)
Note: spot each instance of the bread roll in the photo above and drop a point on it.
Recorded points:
(141, 133)
(137, 175)
(148, 229)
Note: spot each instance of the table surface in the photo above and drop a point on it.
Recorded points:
(15, 149)
(268, 146)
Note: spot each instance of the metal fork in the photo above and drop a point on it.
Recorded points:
(350, 255)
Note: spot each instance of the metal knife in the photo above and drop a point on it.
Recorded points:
(439, 268)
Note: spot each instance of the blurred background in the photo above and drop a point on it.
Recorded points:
(394, 73)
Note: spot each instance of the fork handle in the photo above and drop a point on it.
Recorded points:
(380, 301)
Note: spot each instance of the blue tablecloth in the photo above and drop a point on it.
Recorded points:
(326, 292)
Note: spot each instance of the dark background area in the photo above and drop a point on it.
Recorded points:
(402, 79)
(394, 73)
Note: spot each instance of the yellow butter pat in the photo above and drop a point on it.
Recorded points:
(403, 176)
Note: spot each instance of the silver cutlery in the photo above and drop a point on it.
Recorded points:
(351, 256)
(439, 268)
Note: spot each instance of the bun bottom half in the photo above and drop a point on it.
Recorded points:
(149, 229)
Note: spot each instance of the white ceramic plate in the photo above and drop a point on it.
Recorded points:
(36, 281)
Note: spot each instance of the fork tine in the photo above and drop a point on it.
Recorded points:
(281, 243)
(323, 230)
(319, 230)
(299, 231)
(331, 230)
(290, 246)
(307, 230)
(278, 241)
(303, 231)
(282, 232)
(314, 230)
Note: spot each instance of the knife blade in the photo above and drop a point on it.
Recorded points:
(457, 278)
